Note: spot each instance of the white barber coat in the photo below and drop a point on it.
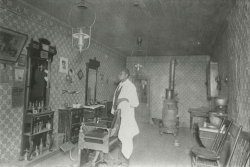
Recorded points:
(128, 127)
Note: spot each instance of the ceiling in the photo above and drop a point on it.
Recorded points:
(167, 27)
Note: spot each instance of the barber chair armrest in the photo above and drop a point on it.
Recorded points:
(106, 119)
(96, 125)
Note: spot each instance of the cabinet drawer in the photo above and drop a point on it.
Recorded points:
(74, 133)
(76, 116)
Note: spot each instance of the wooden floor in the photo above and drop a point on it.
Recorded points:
(150, 150)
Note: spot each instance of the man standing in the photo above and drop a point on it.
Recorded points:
(126, 99)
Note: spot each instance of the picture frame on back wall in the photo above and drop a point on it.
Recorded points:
(11, 44)
(63, 67)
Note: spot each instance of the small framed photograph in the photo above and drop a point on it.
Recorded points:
(11, 44)
(22, 60)
(63, 67)
(18, 76)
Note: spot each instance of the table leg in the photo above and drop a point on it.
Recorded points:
(191, 123)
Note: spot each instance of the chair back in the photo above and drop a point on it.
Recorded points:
(241, 148)
(221, 136)
(115, 126)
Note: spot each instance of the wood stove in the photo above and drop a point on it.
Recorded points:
(170, 118)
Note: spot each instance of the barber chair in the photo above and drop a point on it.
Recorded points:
(102, 138)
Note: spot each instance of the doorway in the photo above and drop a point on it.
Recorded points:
(142, 84)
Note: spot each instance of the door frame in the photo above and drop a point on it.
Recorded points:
(148, 78)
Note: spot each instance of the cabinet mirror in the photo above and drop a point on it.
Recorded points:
(91, 81)
(40, 56)
(38, 82)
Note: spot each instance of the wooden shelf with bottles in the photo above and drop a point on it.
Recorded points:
(38, 123)
(37, 116)
(38, 129)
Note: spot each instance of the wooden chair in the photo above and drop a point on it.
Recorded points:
(101, 138)
(210, 156)
(241, 149)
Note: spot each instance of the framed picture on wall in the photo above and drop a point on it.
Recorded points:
(11, 44)
(18, 76)
(63, 67)
(22, 60)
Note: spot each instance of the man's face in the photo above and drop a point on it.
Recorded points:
(122, 76)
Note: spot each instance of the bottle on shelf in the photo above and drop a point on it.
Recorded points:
(48, 125)
(40, 126)
(26, 154)
(37, 128)
(36, 151)
(41, 147)
(36, 105)
(30, 105)
(42, 106)
(33, 109)
(39, 108)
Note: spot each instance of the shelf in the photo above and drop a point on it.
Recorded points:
(78, 123)
(38, 114)
(43, 131)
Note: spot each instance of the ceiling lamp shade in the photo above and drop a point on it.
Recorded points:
(81, 19)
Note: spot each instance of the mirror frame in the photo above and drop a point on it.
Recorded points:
(40, 50)
(92, 64)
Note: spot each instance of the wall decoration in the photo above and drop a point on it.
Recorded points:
(11, 44)
(22, 60)
(63, 65)
(4, 77)
(80, 74)
(69, 76)
(18, 76)
(17, 97)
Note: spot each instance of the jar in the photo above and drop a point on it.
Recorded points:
(214, 120)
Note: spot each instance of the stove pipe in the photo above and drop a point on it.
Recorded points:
(170, 90)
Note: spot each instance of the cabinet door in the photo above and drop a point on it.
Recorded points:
(74, 133)
(76, 116)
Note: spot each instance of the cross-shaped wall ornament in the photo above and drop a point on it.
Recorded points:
(138, 66)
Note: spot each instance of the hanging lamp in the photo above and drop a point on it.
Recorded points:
(81, 19)
(136, 52)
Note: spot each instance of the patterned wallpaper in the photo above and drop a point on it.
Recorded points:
(190, 78)
(19, 16)
(231, 51)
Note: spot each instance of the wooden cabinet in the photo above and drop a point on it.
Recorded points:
(70, 119)
(69, 123)
(37, 114)
(37, 128)
(212, 73)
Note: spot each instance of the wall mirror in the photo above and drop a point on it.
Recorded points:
(40, 56)
(91, 81)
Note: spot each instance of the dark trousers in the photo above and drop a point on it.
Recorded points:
(122, 159)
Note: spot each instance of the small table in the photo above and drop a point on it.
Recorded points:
(197, 112)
